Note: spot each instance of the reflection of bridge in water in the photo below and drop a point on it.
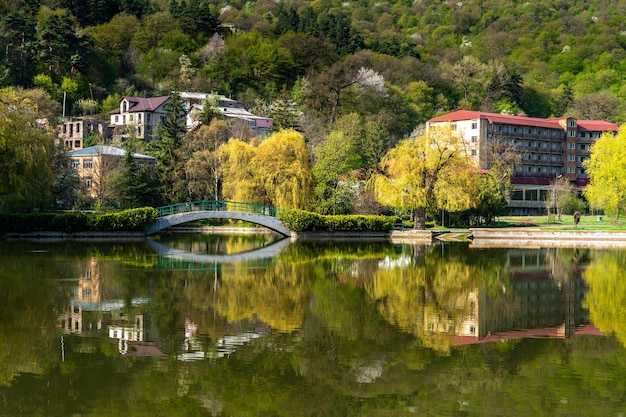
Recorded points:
(172, 258)
(174, 214)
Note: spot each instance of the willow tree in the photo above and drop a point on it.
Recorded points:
(607, 173)
(281, 165)
(26, 177)
(275, 172)
(432, 171)
(239, 182)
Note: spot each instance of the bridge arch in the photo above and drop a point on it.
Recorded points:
(187, 212)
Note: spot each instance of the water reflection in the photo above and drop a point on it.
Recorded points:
(344, 328)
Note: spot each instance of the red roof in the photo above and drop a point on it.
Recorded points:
(597, 125)
(141, 104)
(459, 115)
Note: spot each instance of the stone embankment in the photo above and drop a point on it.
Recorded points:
(540, 238)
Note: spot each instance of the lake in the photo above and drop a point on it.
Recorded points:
(228, 325)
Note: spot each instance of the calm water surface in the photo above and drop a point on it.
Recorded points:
(198, 325)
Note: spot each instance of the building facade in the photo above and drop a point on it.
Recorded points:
(74, 131)
(232, 110)
(95, 165)
(547, 149)
(138, 116)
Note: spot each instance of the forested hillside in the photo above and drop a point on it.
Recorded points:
(543, 57)
(362, 74)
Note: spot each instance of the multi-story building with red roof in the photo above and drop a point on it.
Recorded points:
(547, 148)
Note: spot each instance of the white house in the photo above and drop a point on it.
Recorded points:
(138, 116)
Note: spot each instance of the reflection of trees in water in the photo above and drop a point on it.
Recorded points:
(606, 298)
(433, 297)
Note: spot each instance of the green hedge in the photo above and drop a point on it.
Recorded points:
(133, 220)
(305, 221)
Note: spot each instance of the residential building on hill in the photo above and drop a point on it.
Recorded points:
(548, 149)
(95, 165)
(73, 131)
(138, 116)
(232, 111)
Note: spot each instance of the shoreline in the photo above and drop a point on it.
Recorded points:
(477, 238)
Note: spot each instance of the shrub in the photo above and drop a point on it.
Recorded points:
(304, 221)
(126, 220)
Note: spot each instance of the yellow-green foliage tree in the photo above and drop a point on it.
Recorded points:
(238, 178)
(25, 151)
(282, 166)
(432, 170)
(607, 173)
(276, 172)
(606, 299)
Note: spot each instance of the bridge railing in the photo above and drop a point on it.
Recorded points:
(217, 205)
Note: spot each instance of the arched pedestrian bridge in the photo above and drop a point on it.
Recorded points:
(180, 213)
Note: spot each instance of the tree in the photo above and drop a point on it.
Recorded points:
(18, 42)
(607, 173)
(560, 194)
(429, 171)
(281, 165)
(170, 132)
(25, 152)
(236, 169)
(202, 170)
(334, 159)
(63, 49)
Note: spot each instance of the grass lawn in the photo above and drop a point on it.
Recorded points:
(587, 222)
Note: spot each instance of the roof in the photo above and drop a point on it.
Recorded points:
(459, 115)
(597, 125)
(105, 150)
(141, 104)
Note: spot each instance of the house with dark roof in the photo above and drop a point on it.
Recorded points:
(96, 164)
(232, 111)
(138, 116)
(547, 148)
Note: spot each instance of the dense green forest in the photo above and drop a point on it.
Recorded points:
(543, 58)
(322, 67)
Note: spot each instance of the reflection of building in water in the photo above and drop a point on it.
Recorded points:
(86, 292)
(126, 331)
(194, 349)
(543, 298)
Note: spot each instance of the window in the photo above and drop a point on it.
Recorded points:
(514, 130)
(474, 125)
(131, 117)
(472, 329)
(139, 117)
(117, 119)
(474, 139)
(75, 164)
(453, 126)
(571, 133)
(583, 147)
(473, 152)
(87, 182)
(77, 127)
(124, 119)
(571, 170)
(149, 117)
(571, 145)
(87, 163)
(571, 158)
